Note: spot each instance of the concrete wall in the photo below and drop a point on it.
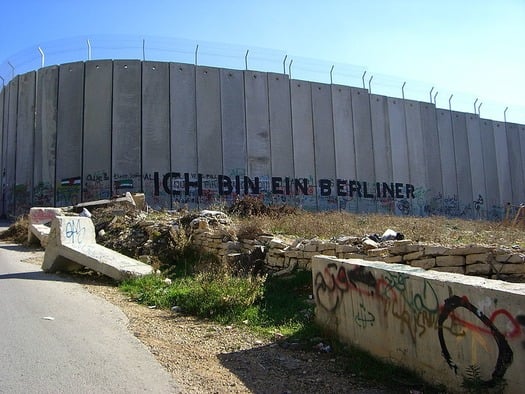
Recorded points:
(444, 326)
(195, 136)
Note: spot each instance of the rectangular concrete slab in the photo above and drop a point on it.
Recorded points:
(461, 153)
(257, 127)
(155, 133)
(2, 151)
(96, 171)
(416, 157)
(281, 147)
(515, 163)
(364, 144)
(10, 156)
(69, 133)
(183, 130)
(492, 200)
(209, 133)
(45, 137)
(344, 144)
(502, 162)
(324, 146)
(399, 149)
(432, 158)
(303, 142)
(24, 143)
(477, 167)
(233, 120)
(127, 127)
(449, 202)
(382, 149)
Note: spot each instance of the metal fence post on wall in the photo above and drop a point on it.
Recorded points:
(363, 79)
(475, 105)
(370, 84)
(449, 102)
(143, 50)
(479, 106)
(331, 71)
(435, 95)
(89, 49)
(12, 69)
(403, 89)
(430, 94)
(284, 64)
(505, 115)
(43, 57)
(3, 81)
(290, 69)
(246, 60)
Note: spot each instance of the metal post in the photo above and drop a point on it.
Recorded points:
(290, 69)
(89, 49)
(42, 56)
(3, 81)
(369, 84)
(331, 71)
(403, 89)
(505, 114)
(475, 105)
(12, 69)
(430, 94)
(435, 95)
(284, 64)
(143, 49)
(479, 106)
(196, 52)
(449, 102)
(246, 60)
(363, 79)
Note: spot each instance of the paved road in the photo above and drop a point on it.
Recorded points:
(55, 337)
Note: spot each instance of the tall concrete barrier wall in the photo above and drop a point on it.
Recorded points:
(451, 329)
(196, 136)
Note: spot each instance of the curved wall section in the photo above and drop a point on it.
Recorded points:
(195, 136)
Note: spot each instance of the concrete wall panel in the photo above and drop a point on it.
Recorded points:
(209, 133)
(449, 201)
(69, 133)
(434, 189)
(344, 144)
(382, 149)
(399, 150)
(303, 141)
(515, 163)
(521, 134)
(324, 146)
(233, 120)
(24, 143)
(155, 133)
(503, 165)
(258, 129)
(183, 130)
(280, 132)
(96, 172)
(491, 201)
(416, 157)
(10, 146)
(2, 151)
(364, 146)
(477, 168)
(126, 134)
(45, 137)
(461, 153)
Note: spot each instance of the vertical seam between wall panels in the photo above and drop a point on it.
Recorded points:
(82, 131)
(196, 120)
(334, 143)
(169, 136)
(269, 130)
(373, 150)
(56, 136)
(16, 142)
(220, 120)
(406, 144)
(141, 124)
(247, 164)
(32, 176)
(354, 140)
(111, 117)
(291, 130)
(311, 84)
(455, 162)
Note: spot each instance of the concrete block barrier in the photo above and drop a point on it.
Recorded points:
(72, 245)
(452, 329)
(40, 219)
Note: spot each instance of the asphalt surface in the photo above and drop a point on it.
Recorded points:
(55, 337)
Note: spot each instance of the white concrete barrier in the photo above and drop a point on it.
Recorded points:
(40, 219)
(452, 329)
(72, 244)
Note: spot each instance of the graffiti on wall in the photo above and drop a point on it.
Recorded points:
(419, 311)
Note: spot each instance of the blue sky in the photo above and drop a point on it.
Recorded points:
(471, 49)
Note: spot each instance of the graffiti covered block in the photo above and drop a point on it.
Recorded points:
(451, 329)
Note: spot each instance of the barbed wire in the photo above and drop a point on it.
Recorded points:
(222, 55)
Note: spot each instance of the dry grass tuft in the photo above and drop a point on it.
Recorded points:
(17, 232)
